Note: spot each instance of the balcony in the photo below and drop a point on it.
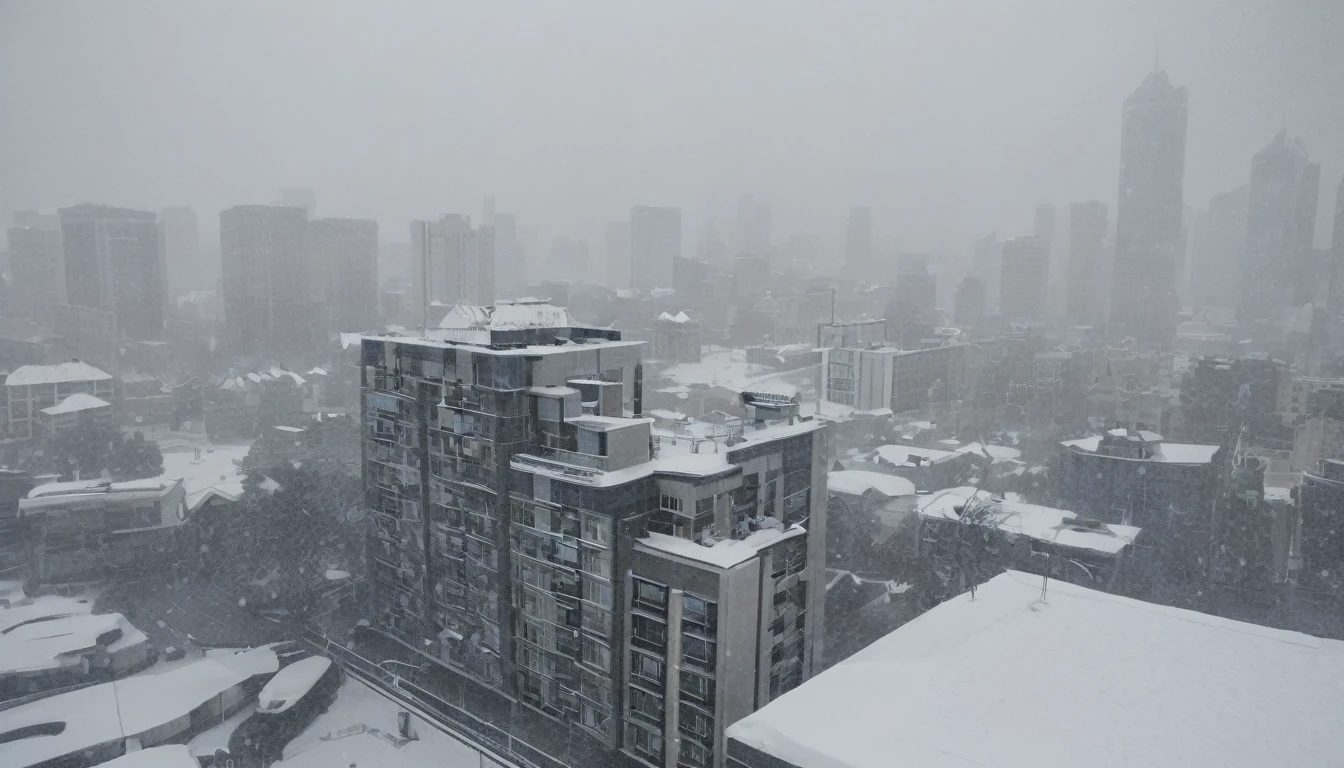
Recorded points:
(585, 460)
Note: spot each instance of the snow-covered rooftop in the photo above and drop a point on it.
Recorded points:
(95, 486)
(79, 401)
(997, 453)
(60, 373)
(165, 756)
(291, 683)
(906, 455)
(507, 316)
(729, 369)
(42, 607)
(216, 472)
(1167, 453)
(857, 482)
(723, 554)
(60, 642)
(1083, 678)
(1032, 520)
(92, 715)
(680, 317)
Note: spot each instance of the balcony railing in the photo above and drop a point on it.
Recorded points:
(586, 460)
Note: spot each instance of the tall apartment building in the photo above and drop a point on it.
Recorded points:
(655, 244)
(1280, 225)
(36, 264)
(970, 303)
(900, 379)
(509, 270)
(1336, 299)
(1217, 245)
(645, 591)
(753, 227)
(1024, 278)
(182, 251)
(859, 239)
(114, 260)
(1149, 217)
(987, 267)
(618, 254)
(1088, 224)
(461, 260)
(264, 260)
(343, 274)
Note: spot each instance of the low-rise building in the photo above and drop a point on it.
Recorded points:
(80, 531)
(58, 651)
(75, 410)
(31, 388)
(1033, 672)
(676, 338)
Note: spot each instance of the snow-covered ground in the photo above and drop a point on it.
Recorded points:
(323, 746)
(360, 729)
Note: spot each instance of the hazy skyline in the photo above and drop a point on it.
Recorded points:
(948, 119)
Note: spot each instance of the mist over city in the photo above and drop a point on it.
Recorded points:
(671, 385)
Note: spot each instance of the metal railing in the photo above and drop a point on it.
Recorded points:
(496, 746)
(588, 460)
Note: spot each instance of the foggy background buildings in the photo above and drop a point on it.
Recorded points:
(949, 120)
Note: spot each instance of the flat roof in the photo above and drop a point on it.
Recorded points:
(92, 716)
(59, 642)
(1031, 520)
(1163, 452)
(722, 554)
(1081, 678)
(857, 482)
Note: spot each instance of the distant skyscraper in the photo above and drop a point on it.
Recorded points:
(509, 270)
(35, 264)
(859, 239)
(1280, 225)
(987, 267)
(618, 254)
(1087, 251)
(299, 198)
(753, 227)
(461, 260)
(114, 260)
(655, 243)
(182, 250)
(1218, 241)
(343, 274)
(970, 303)
(1150, 210)
(1337, 255)
(1024, 284)
(264, 260)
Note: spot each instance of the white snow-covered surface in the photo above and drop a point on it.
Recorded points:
(358, 705)
(1168, 453)
(505, 316)
(1084, 678)
(215, 472)
(729, 369)
(857, 482)
(40, 607)
(80, 401)
(723, 554)
(291, 683)
(62, 642)
(93, 716)
(905, 455)
(60, 373)
(1031, 520)
(997, 453)
(334, 574)
(166, 756)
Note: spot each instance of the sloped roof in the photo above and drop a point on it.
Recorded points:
(60, 373)
(79, 401)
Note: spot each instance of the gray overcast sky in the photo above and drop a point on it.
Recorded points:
(949, 118)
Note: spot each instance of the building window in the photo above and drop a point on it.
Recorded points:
(596, 653)
(597, 561)
(593, 717)
(648, 668)
(597, 592)
(670, 503)
(698, 650)
(597, 529)
(697, 687)
(650, 705)
(644, 743)
(650, 596)
(648, 633)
